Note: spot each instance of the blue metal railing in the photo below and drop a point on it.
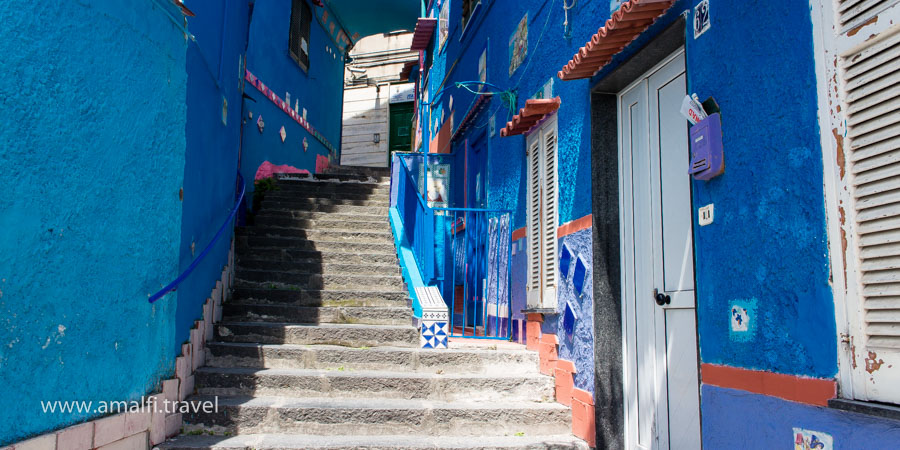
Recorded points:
(477, 280)
(417, 218)
(464, 251)
(174, 284)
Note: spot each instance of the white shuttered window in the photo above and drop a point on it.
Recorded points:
(542, 215)
(870, 77)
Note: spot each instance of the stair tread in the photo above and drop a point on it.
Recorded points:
(385, 349)
(224, 323)
(299, 441)
(246, 401)
(368, 373)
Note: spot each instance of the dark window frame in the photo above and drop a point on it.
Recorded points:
(301, 21)
(468, 12)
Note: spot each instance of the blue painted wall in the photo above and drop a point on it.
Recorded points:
(320, 91)
(768, 243)
(92, 163)
(549, 48)
(733, 418)
(213, 74)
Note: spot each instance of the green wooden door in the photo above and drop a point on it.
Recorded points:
(401, 124)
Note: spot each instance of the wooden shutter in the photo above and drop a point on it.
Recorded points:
(535, 163)
(550, 208)
(872, 95)
(852, 13)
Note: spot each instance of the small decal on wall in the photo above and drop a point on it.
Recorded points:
(260, 124)
(282, 133)
(812, 440)
(224, 111)
(305, 145)
(742, 317)
(739, 318)
(701, 18)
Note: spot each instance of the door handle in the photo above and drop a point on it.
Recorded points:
(661, 298)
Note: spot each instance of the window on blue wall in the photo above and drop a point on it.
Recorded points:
(468, 7)
(298, 44)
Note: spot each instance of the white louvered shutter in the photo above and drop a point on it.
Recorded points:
(550, 213)
(871, 95)
(853, 13)
(535, 162)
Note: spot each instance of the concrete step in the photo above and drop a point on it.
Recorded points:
(335, 178)
(319, 267)
(372, 315)
(368, 442)
(329, 216)
(348, 416)
(315, 202)
(343, 382)
(244, 242)
(346, 335)
(349, 223)
(274, 280)
(317, 257)
(381, 211)
(306, 297)
(377, 237)
(331, 357)
(318, 191)
(325, 187)
(360, 170)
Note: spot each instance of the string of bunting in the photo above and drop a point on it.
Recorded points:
(287, 109)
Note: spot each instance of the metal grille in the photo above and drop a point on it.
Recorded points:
(872, 96)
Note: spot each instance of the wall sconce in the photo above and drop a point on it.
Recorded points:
(376, 138)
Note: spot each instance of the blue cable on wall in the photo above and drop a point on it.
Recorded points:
(174, 284)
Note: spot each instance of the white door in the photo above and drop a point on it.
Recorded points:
(662, 397)
(542, 215)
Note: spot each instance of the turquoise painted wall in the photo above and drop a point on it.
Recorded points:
(93, 158)
(214, 73)
(319, 90)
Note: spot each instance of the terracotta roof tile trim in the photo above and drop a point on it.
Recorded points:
(534, 111)
(626, 24)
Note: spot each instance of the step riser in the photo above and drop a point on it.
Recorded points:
(342, 422)
(381, 211)
(355, 237)
(318, 298)
(316, 188)
(335, 385)
(315, 257)
(281, 443)
(334, 217)
(260, 242)
(306, 224)
(336, 179)
(313, 315)
(318, 267)
(301, 203)
(350, 337)
(275, 280)
(448, 362)
(332, 194)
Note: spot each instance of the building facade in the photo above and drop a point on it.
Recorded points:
(720, 308)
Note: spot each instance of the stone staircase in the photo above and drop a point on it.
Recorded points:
(316, 348)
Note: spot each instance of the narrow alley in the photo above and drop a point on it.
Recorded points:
(453, 224)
